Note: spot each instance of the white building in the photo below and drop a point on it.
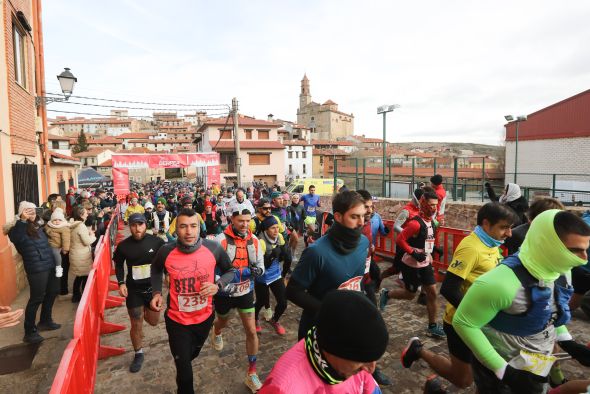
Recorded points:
(298, 159)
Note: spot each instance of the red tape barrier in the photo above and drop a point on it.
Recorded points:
(77, 370)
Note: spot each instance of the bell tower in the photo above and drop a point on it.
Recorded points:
(305, 95)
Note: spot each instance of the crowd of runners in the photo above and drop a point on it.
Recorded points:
(197, 253)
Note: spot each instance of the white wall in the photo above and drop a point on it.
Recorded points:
(297, 163)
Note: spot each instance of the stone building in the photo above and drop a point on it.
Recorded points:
(324, 120)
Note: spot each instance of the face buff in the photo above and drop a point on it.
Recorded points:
(542, 252)
(426, 209)
(486, 239)
(319, 364)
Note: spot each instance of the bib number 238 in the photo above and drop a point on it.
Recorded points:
(191, 302)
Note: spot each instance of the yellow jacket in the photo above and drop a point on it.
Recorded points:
(133, 209)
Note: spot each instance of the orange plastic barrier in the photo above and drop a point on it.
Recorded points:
(77, 370)
(447, 238)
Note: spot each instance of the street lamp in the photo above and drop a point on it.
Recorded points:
(384, 109)
(519, 118)
(67, 80)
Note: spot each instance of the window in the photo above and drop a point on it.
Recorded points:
(290, 168)
(248, 134)
(18, 41)
(304, 156)
(225, 134)
(297, 155)
(290, 155)
(259, 159)
(263, 134)
(304, 169)
(54, 144)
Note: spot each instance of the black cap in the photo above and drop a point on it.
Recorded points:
(136, 218)
(349, 326)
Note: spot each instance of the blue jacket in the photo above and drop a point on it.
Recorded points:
(36, 252)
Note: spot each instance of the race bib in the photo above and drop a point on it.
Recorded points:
(537, 363)
(367, 264)
(238, 289)
(429, 246)
(139, 272)
(191, 302)
(352, 284)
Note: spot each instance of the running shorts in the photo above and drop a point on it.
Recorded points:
(224, 304)
(138, 296)
(416, 277)
(456, 345)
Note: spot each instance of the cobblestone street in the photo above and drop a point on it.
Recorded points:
(224, 372)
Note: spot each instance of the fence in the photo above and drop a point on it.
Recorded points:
(77, 370)
(463, 178)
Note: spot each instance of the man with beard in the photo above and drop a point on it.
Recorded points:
(191, 264)
(240, 202)
(417, 240)
(137, 251)
(335, 261)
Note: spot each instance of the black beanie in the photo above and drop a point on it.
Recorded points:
(268, 222)
(436, 179)
(350, 326)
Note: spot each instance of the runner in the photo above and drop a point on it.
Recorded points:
(512, 316)
(475, 255)
(191, 263)
(436, 183)
(338, 353)
(187, 203)
(417, 240)
(161, 219)
(240, 202)
(311, 202)
(137, 251)
(263, 211)
(275, 251)
(247, 258)
(335, 261)
(133, 207)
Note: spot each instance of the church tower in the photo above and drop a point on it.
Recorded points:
(305, 95)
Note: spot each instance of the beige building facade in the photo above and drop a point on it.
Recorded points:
(324, 120)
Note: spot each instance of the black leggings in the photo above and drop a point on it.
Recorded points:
(79, 285)
(263, 297)
(43, 287)
(65, 264)
(186, 342)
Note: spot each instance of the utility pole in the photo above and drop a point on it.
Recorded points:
(234, 105)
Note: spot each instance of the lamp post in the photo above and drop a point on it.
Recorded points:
(519, 118)
(384, 109)
(67, 80)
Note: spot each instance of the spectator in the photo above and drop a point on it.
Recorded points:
(511, 197)
(58, 232)
(80, 252)
(31, 243)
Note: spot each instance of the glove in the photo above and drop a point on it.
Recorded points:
(419, 256)
(438, 250)
(579, 352)
(522, 381)
(256, 271)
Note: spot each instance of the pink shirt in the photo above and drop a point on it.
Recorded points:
(292, 374)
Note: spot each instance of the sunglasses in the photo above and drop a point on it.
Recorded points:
(265, 208)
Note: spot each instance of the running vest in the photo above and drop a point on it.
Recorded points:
(243, 253)
(425, 238)
(540, 313)
(274, 271)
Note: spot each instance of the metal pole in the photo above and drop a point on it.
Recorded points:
(234, 104)
(455, 177)
(483, 176)
(384, 151)
(365, 174)
(516, 153)
(335, 175)
(356, 175)
(434, 166)
(389, 182)
(413, 175)
(554, 183)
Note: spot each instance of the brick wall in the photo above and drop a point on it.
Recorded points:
(21, 100)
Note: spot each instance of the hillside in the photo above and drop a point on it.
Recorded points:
(455, 147)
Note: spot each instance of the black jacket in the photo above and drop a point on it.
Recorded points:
(520, 206)
(36, 252)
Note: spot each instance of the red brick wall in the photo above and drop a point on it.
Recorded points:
(21, 101)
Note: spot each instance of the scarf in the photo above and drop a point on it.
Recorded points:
(512, 193)
(344, 239)
(542, 253)
(318, 363)
(486, 239)
(188, 249)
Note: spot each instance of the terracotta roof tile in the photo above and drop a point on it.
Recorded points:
(60, 156)
(248, 145)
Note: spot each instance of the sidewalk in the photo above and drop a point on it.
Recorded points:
(39, 377)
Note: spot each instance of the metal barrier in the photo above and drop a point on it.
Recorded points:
(447, 238)
(77, 370)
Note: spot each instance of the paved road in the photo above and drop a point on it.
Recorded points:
(224, 372)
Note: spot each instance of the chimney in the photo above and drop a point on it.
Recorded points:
(270, 117)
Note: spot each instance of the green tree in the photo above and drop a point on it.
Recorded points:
(82, 144)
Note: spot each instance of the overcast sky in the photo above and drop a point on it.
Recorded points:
(455, 67)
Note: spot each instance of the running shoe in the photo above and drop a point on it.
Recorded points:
(137, 363)
(253, 382)
(421, 299)
(279, 329)
(216, 340)
(383, 298)
(433, 385)
(435, 331)
(267, 314)
(411, 352)
(258, 327)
